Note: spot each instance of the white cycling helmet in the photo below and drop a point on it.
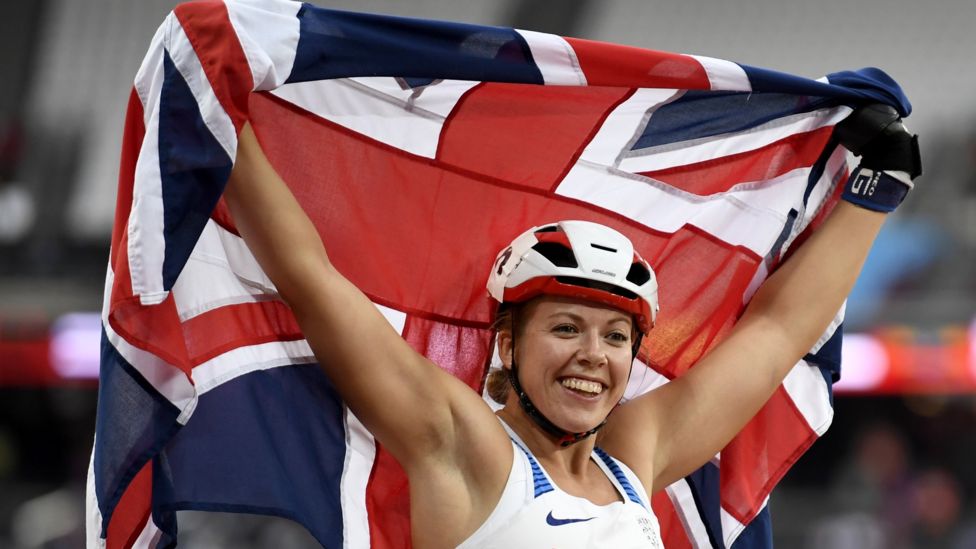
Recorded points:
(577, 259)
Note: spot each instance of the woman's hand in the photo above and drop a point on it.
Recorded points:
(889, 153)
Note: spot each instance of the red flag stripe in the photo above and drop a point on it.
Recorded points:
(672, 529)
(214, 39)
(626, 66)
(721, 174)
(133, 510)
(761, 454)
(132, 137)
(220, 330)
(552, 126)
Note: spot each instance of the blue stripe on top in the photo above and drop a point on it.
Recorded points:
(620, 476)
(271, 442)
(540, 483)
(134, 421)
(701, 114)
(193, 167)
(339, 44)
(865, 85)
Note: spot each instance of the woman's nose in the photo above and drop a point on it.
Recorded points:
(591, 351)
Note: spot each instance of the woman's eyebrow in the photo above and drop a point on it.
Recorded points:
(572, 316)
(578, 318)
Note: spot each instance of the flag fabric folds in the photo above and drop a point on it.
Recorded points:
(420, 149)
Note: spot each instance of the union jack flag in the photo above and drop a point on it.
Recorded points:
(419, 149)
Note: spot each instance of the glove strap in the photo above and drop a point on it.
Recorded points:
(880, 191)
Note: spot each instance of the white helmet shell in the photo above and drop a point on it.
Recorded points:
(576, 259)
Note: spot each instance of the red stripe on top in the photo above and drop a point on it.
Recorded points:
(449, 346)
(626, 66)
(388, 503)
(761, 454)
(132, 512)
(721, 174)
(155, 329)
(207, 25)
(226, 328)
(413, 232)
(133, 135)
(530, 139)
(672, 529)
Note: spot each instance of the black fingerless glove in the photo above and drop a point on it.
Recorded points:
(889, 154)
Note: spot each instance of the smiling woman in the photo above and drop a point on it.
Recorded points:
(587, 295)
(575, 300)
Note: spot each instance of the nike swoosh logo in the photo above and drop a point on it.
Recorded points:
(553, 521)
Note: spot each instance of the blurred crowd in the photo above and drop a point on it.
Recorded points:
(879, 500)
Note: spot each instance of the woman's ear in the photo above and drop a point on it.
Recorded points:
(504, 339)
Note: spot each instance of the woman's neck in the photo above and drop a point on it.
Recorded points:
(573, 459)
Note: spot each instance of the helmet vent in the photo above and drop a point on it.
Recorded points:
(597, 285)
(548, 229)
(638, 274)
(557, 254)
(604, 248)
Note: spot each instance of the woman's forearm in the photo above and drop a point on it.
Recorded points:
(277, 231)
(805, 293)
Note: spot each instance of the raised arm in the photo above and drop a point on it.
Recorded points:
(417, 411)
(690, 419)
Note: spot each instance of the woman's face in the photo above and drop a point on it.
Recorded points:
(574, 359)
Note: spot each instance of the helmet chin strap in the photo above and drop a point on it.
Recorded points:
(563, 437)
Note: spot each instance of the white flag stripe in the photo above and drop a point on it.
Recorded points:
(146, 245)
(221, 271)
(356, 469)
(642, 379)
(834, 171)
(93, 516)
(809, 392)
(733, 217)
(437, 99)
(724, 75)
(831, 329)
(250, 358)
(620, 129)
(149, 537)
(147, 85)
(732, 528)
(555, 58)
(691, 152)
(268, 46)
(378, 108)
(684, 505)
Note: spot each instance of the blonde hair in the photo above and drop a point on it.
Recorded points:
(498, 385)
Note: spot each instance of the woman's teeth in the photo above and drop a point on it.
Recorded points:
(582, 385)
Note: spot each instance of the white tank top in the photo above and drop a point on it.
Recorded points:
(534, 513)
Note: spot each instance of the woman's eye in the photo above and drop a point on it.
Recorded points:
(565, 329)
(619, 337)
